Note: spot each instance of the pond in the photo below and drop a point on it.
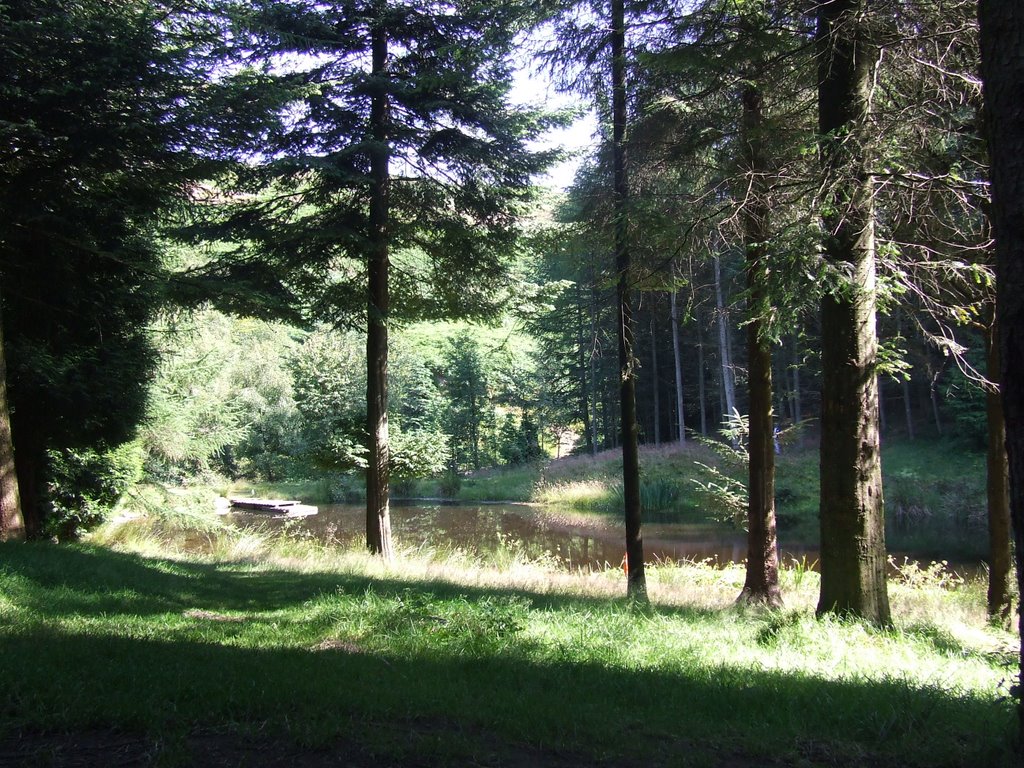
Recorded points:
(573, 541)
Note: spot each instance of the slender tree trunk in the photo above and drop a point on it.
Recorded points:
(725, 357)
(762, 573)
(654, 381)
(1002, 66)
(853, 556)
(797, 403)
(636, 580)
(908, 411)
(997, 487)
(678, 361)
(583, 373)
(701, 391)
(592, 362)
(933, 392)
(474, 424)
(722, 407)
(782, 397)
(12, 524)
(378, 511)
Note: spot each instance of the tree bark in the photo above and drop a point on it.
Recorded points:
(762, 573)
(636, 585)
(933, 396)
(12, 523)
(592, 367)
(853, 556)
(724, 355)
(656, 404)
(997, 487)
(30, 464)
(1002, 67)
(701, 391)
(378, 511)
(797, 403)
(905, 388)
(584, 373)
(678, 361)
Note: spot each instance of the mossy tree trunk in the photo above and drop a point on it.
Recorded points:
(853, 556)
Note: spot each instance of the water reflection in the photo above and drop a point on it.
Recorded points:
(574, 542)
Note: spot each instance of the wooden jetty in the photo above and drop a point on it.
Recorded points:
(273, 506)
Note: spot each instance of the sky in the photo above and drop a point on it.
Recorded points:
(534, 87)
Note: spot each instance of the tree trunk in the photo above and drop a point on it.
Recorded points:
(583, 373)
(636, 585)
(677, 359)
(30, 464)
(905, 385)
(797, 404)
(701, 392)
(908, 411)
(853, 556)
(592, 363)
(1002, 66)
(933, 392)
(762, 573)
(378, 511)
(654, 381)
(997, 487)
(724, 355)
(12, 523)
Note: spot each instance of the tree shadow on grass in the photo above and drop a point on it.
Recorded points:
(94, 581)
(166, 686)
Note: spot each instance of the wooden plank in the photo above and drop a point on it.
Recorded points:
(267, 505)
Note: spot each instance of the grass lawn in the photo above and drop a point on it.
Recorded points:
(321, 656)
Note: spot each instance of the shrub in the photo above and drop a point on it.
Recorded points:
(85, 484)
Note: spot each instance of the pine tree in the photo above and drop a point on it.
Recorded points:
(396, 176)
(100, 132)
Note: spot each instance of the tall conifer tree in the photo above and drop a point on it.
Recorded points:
(100, 131)
(395, 179)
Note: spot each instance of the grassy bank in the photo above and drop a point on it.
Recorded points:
(442, 659)
(934, 490)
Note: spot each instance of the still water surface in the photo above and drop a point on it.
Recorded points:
(574, 541)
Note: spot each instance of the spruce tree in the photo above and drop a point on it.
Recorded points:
(99, 134)
(394, 181)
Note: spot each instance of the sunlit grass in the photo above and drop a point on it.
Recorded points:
(213, 625)
(310, 641)
(577, 494)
